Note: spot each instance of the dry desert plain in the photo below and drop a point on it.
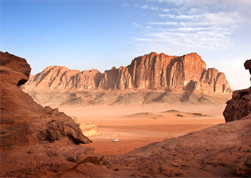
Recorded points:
(138, 125)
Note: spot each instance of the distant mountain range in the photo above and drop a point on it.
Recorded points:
(149, 78)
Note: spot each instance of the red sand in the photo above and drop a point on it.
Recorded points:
(138, 125)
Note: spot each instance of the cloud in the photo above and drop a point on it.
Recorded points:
(194, 25)
(137, 25)
(163, 23)
(242, 6)
(185, 17)
(207, 40)
(177, 2)
(208, 31)
(152, 8)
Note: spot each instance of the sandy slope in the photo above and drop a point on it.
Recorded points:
(139, 125)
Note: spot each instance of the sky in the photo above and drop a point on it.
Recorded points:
(100, 34)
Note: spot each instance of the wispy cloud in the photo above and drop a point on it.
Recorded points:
(152, 8)
(184, 17)
(243, 6)
(177, 2)
(137, 25)
(191, 27)
(163, 23)
(208, 40)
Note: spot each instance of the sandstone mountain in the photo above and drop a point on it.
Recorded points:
(41, 142)
(149, 78)
(153, 71)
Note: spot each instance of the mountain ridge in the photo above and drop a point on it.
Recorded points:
(187, 73)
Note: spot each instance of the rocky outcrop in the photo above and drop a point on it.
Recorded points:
(15, 63)
(13, 69)
(154, 71)
(24, 122)
(56, 77)
(88, 128)
(239, 106)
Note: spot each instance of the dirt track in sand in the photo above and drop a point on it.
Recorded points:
(138, 125)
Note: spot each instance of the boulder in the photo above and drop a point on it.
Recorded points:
(239, 106)
(15, 63)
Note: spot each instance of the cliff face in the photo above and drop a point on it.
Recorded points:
(14, 70)
(23, 121)
(56, 77)
(153, 71)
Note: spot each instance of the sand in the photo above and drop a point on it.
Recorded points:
(138, 125)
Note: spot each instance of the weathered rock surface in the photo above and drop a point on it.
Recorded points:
(87, 128)
(22, 120)
(153, 71)
(56, 77)
(239, 106)
(218, 151)
(15, 63)
(13, 69)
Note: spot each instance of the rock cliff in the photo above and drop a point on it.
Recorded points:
(24, 122)
(154, 71)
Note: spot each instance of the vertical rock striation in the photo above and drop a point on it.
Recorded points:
(154, 71)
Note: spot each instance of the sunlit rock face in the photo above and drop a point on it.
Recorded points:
(13, 69)
(153, 71)
(23, 121)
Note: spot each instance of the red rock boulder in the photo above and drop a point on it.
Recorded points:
(239, 106)
(22, 120)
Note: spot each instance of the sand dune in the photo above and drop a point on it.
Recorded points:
(138, 125)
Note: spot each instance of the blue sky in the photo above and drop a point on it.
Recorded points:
(101, 34)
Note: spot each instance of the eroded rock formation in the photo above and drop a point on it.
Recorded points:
(24, 122)
(153, 71)
(240, 105)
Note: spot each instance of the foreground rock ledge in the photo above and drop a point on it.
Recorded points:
(24, 122)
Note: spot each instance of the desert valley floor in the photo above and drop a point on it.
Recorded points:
(138, 125)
